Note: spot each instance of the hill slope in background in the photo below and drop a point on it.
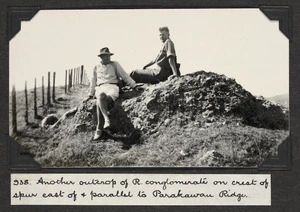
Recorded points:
(200, 119)
(281, 99)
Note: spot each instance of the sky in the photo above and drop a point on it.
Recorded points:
(239, 43)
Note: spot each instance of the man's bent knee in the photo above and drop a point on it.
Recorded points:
(133, 74)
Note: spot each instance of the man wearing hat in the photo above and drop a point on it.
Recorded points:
(104, 85)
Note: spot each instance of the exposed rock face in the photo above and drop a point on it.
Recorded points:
(200, 97)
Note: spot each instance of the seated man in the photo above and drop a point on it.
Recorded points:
(164, 65)
(104, 84)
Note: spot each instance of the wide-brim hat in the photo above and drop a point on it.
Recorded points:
(104, 51)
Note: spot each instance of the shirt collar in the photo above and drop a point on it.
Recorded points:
(167, 40)
(106, 64)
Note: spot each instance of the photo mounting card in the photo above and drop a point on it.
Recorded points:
(229, 110)
(221, 111)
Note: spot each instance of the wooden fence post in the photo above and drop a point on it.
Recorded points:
(71, 78)
(14, 110)
(43, 91)
(35, 103)
(75, 75)
(87, 79)
(83, 78)
(66, 81)
(53, 88)
(48, 90)
(81, 74)
(78, 76)
(26, 104)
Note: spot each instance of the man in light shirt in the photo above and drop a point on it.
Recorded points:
(104, 85)
(163, 66)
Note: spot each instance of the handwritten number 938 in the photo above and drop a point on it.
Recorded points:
(20, 182)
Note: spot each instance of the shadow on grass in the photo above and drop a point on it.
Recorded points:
(127, 140)
(28, 135)
(62, 104)
(38, 117)
(122, 128)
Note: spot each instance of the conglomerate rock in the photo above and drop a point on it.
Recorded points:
(200, 97)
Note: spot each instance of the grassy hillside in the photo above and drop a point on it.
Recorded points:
(215, 145)
(195, 121)
(67, 101)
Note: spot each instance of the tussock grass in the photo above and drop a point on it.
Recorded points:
(171, 146)
(237, 145)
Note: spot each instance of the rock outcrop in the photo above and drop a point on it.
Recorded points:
(201, 97)
(196, 120)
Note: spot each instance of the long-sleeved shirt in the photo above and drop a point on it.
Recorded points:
(106, 74)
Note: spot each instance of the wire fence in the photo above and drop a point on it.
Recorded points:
(74, 78)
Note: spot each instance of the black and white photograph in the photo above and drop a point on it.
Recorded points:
(149, 88)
